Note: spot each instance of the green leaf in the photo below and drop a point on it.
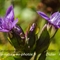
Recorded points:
(17, 37)
(32, 35)
(43, 41)
(42, 56)
(14, 39)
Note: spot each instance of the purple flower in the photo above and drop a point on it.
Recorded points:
(8, 22)
(54, 18)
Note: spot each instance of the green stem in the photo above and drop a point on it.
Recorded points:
(54, 33)
(42, 56)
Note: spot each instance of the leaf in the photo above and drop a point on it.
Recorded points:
(31, 35)
(19, 31)
(14, 39)
(17, 38)
(43, 41)
(42, 56)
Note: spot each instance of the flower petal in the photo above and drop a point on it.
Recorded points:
(54, 14)
(57, 23)
(0, 22)
(43, 15)
(10, 13)
(55, 18)
(4, 30)
(14, 23)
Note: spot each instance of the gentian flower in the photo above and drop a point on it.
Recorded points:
(54, 19)
(8, 22)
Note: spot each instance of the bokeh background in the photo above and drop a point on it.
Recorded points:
(26, 12)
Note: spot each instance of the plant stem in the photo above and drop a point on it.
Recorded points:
(54, 33)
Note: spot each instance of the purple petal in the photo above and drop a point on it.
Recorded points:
(0, 28)
(4, 30)
(14, 23)
(57, 23)
(1, 22)
(10, 13)
(43, 15)
(55, 18)
(6, 23)
(9, 10)
(54, 14)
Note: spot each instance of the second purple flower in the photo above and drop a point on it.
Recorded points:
(54, 19)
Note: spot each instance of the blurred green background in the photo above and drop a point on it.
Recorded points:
(25, 11)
